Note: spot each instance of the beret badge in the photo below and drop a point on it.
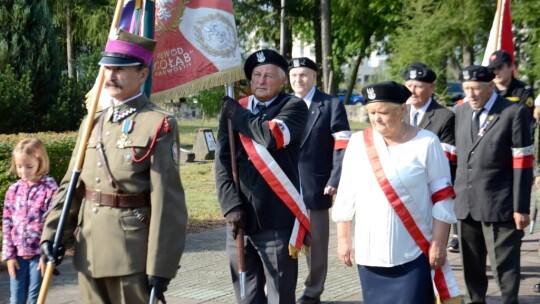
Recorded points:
(260, 57)
(371, 93)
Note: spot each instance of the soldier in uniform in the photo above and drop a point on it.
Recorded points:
(128, 214)
(268, 128)
(500, 62)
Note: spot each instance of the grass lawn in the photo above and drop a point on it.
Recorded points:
(199, 180)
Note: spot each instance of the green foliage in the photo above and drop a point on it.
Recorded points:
(16, 100)
(59, 148)
(257, 21)
(433, 33)
(28, 43)
(209, 102)
(68, 109)
(527, 39)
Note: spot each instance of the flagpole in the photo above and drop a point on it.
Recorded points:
(148, 32)
(79, 160)
(499, 18)
(240, 258)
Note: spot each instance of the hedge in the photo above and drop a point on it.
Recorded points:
(59, 147)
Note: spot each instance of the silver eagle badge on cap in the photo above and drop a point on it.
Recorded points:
(296, 63)
(260, 57)
(466, 75)
(412, 74)
(371, 93)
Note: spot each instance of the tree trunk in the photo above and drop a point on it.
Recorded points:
(317, 38)
(285, 32)
(468, 55)
(352, 81)
(69, 40)
(326, 43)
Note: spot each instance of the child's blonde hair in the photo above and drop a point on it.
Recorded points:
(33, 147)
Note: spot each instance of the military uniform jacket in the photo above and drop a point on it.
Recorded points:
(264, 209)
(439, 120)
(488, 185)
(320, 162)
(519, 92)
(113, 241)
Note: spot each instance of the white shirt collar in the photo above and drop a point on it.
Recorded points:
(420, 111)
(118, 102)
(253, 102)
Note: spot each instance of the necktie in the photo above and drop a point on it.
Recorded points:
(415, 119)
(260, 107)
(475, 126)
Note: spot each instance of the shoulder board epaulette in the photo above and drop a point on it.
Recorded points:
(159, 109)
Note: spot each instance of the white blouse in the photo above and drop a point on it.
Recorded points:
(380, 238)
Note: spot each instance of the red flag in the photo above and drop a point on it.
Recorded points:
(500, 36)
(197, 47)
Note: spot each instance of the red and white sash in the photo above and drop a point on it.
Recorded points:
(282, 186)
(402, 203)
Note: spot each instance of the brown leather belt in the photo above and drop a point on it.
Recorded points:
(99, 198)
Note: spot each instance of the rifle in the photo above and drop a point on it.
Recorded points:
(79, 160)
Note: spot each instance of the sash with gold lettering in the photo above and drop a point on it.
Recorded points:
(282, 187)
(402, 203)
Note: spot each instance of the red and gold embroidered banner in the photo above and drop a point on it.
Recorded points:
(197, 48)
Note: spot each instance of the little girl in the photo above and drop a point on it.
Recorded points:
(25, 204)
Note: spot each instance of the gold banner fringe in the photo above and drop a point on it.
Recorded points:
(294, 252)
(199, 84)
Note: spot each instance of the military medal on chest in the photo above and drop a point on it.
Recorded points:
(127, 127)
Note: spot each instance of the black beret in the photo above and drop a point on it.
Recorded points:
(389, 91)
(264, 56)
(303, 62)
(419, 71)
(476, 73)
(498, 58)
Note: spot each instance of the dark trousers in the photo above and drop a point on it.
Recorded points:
(502, 243)
(317, 259)
(268, 264)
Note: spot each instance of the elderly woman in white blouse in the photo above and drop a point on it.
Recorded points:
(396, 184)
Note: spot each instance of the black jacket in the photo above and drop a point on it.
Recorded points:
(263, 207)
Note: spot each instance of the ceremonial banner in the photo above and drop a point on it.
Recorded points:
(197, 47)
(500, 36)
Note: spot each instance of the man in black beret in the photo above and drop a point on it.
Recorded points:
(321, 153)
(267, 204)
(493, 185)
(500, 62)
(425, 112)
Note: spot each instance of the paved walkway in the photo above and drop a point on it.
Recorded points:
(204, 275)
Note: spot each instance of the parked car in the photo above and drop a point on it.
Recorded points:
(355, 97)
(454, 91)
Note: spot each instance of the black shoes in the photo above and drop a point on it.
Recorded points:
(536, 287)
(453, 246)
(308, 300)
